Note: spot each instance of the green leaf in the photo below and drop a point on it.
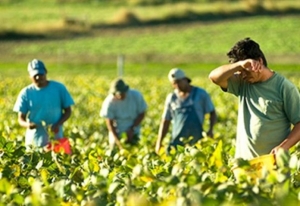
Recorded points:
(282, 158)
(216, 158)
(93, 165)
(113, 186)
(39, 164)
(2, 142)
(18, 198)
(19, 151)
(9, 147)
(6, 187)
(104, 172)
(294, 162)
(23, 182)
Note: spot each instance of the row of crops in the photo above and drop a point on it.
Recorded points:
(97, 175)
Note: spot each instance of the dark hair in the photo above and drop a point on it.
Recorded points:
(246, 49)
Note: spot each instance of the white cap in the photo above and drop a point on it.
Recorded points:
(176, 74)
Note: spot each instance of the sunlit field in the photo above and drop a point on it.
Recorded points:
(96, 175)
(80, 43)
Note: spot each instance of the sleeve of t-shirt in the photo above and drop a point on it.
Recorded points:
(142, 105)
(67, 99)
(167, 108)
(21, 104)
(107, 109)
(291, 100)
(234, 85)
(208, 104)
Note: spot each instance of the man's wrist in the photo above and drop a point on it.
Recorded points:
(30, 125)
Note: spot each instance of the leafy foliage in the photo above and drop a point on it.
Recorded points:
(96, 175)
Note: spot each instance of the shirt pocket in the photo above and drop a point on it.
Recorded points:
(273, 108)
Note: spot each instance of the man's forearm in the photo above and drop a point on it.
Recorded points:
(212, 119)
(111, 128)
(163, 129)
(292, 139)
(65, 116)
(138, 119)
(224, 72)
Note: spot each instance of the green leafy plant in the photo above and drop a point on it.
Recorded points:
(95, 174)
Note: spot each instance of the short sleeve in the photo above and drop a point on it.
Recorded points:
(142, 105)
(234, 84)
(167, 115)
(21, 104)
(208, 105)
(292, 101)
(67, 99)
(107, 108)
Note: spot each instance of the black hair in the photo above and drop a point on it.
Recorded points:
(246, 49)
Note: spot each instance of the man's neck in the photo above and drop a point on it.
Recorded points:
(266, 74)
(184, 93)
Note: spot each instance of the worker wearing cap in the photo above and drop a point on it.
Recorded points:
(185, 107)
(123, 110)
(41, 105)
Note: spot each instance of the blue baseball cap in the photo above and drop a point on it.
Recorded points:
(36, 67)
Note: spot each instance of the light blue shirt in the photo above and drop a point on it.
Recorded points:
(265, 115)
(198, 97)
(125, 111)
(44, 107)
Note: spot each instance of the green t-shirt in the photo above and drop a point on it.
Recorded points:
(266, 113)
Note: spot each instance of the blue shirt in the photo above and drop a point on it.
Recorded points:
(198, 97)
(125, 111)
(43, 106)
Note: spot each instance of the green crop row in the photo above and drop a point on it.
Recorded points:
(176, 44)
(97, 175)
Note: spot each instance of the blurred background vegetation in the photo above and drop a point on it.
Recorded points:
(152, 35)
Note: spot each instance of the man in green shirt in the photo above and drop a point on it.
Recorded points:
(268, 102)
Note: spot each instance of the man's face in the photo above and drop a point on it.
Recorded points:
(39, 80)
(252, 73)
(180, 84)
(250, 76)
(120, 96)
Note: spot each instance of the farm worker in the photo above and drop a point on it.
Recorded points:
(123, 110)
(186, 107)
(268, 102)
(41, 105)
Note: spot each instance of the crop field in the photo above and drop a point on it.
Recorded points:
(96, 175)
(84, 58)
